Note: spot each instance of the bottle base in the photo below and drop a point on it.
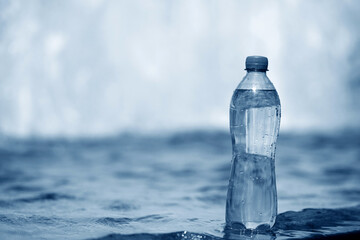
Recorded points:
(260, 226)
(239, 231)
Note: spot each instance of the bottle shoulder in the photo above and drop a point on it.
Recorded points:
(256, 81)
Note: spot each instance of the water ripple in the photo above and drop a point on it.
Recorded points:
(46, 197)
(165, 236)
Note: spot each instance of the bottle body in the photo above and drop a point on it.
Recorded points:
(254, 126)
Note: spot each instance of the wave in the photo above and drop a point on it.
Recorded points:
(197, 236)
(306, 224)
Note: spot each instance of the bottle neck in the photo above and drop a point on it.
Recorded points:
(254, 72)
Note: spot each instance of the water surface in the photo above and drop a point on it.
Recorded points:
(170, 187)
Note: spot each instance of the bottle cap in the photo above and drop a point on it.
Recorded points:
(256, 63)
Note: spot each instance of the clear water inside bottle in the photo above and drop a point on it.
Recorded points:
(254, 126)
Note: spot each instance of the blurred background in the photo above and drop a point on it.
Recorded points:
(97, 68)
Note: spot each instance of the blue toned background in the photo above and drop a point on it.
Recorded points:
(85, 68)
(114, 115)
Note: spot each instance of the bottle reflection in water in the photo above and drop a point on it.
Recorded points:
(254, 126)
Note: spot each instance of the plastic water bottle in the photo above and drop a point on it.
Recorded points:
(254, 126)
